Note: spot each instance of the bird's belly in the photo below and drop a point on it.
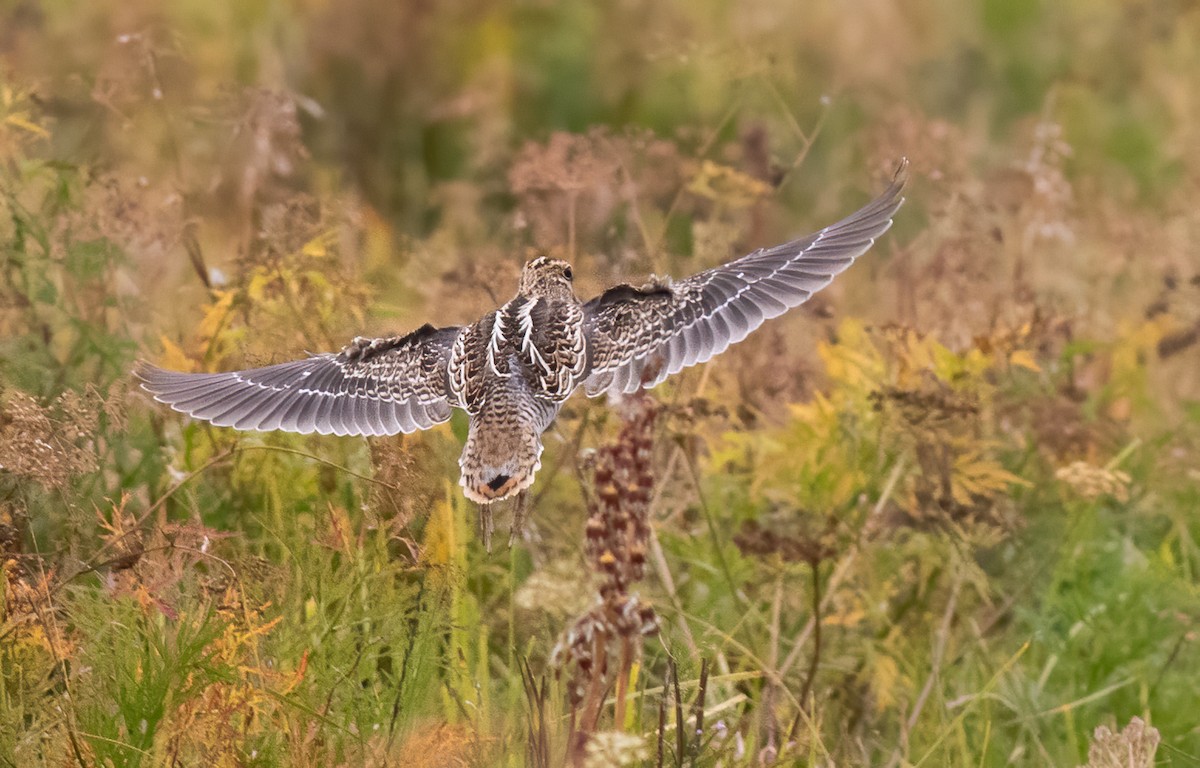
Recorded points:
(504, 446)
(514, 396)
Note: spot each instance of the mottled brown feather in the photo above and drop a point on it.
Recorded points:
(512, 369)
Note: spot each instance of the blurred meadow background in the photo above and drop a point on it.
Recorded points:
(944, 514)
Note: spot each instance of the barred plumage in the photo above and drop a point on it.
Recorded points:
(512, 370)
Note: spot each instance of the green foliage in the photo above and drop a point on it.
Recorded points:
(956, 525)
(152, 671)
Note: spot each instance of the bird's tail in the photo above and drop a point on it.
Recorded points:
(499, 459)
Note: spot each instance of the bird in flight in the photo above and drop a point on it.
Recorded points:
(513, 369)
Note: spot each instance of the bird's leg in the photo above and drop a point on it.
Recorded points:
(486, 525)
(518, 517)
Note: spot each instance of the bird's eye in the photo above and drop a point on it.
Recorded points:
(567, 273)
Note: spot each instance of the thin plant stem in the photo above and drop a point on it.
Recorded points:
(622, 684)
(842, 570)
(815, 569)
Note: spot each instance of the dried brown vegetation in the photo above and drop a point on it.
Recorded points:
(943, 514)
(601, 647)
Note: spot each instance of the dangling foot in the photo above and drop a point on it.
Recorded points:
(486, 526)
(518, 518)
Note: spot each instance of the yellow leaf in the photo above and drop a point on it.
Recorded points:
(885, 674)
(318, 247)
(21, 122)
(853, 361)
(1024, 359)
(850, 618)
(443, 545)
(727, 185)
(214, 316)
(378, 240)
(256, 289)
(983, 477)
(173, 357)
(1166, 553)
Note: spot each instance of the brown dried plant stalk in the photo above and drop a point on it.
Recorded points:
(603, 644)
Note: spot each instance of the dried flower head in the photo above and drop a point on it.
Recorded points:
(1048, 209)
(787, 539)
(957, 479)
(49, 445)
(1133, 747)
(263, 148)
(1091, 482)
(575, 183)
(936, 147)
(559, 588)
(617, 528)
(617, 535)
(614, 749)
(143, 219)
(29, 609)
(568, 183)
(566, 163)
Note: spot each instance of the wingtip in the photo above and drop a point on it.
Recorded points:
(148, 374)
(143, 373)
(152, 378)
(893, 196)
(900, 177)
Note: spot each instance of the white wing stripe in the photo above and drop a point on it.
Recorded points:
(364, 390)
(391, 424)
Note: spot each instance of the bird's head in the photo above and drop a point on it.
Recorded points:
(546, 278)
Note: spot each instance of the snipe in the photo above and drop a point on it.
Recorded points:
(512, 370)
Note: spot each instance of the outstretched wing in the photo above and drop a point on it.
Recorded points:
(639, 336)
(372, 387)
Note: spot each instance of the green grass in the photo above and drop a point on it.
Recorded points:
(948, 517)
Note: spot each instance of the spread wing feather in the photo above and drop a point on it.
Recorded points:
(372, 387)
(639, 336)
